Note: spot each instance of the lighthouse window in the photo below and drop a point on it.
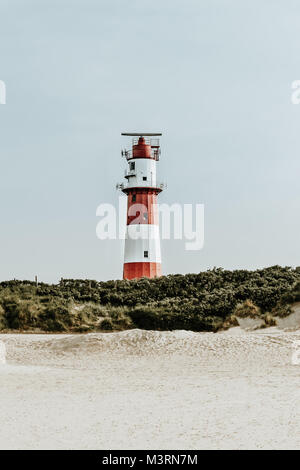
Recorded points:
(146, 216)
(144, 178)
(146, 254)
(133, 197)
(132, 166)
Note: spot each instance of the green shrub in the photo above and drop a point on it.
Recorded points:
(3, 322)
(206, 301)
(106, 324)
(293, 295)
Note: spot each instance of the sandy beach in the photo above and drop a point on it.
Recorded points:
(150, 390)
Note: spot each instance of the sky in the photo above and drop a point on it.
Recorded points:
(213, 75)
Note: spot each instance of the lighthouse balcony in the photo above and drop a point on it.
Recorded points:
(158, 186)
(149, 149)
(129, 173)
(121, 186)
(161, 185)
(127, 154)
(148, 141)
(155, 154)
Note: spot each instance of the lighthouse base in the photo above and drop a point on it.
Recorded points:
(137, 270)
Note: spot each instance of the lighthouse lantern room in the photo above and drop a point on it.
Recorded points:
(142, 256)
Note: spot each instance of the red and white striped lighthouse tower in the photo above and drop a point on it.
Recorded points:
(142, 256)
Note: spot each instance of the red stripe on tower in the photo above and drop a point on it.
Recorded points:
(142, 256)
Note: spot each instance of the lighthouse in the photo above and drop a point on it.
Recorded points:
(142, 257)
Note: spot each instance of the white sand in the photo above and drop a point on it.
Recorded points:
(2, 353)
(137, 389)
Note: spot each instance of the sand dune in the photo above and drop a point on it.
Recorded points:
(2, 353)
(148, 389)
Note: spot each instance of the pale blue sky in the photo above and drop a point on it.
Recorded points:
(214, 75)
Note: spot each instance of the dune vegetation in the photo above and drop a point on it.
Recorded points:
(208, 301)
